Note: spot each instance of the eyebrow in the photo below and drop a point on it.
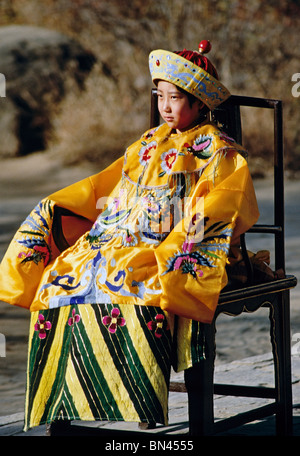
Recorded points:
(171, 92)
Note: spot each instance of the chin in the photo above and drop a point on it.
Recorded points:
(171, 124)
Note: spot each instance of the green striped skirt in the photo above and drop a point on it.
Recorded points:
(105, 362)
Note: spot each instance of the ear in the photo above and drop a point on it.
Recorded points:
(201, 105)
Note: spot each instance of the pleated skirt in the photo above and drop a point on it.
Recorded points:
(105, 362)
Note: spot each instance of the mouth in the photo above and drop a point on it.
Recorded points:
(169, 119)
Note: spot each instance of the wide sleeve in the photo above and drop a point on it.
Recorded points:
(32, 247)
(192, 259)
(82, 198)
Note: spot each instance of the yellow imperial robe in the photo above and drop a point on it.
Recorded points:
(146, 242)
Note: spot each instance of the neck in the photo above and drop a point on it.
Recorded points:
(202, 118)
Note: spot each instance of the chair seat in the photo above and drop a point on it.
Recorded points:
(250, 298)
(199, 379)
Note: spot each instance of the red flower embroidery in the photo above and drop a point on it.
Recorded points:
(42, 326)
(114, 320)
(157, 325)
(145, 152)
(41, 252)
(44, 252)
(168, 159)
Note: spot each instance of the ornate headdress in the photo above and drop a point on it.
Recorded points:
(191, 71)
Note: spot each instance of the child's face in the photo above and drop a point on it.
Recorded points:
(175, 108)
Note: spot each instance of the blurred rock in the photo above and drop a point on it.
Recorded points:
(38, 65)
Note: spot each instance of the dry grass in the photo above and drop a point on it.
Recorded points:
(255, 48)
(91, 126)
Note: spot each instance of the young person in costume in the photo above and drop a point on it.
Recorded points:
(145, 261)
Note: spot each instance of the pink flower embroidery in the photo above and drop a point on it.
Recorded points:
(114, 320)
(42, 326)
(129, 239)
(188, 264)
(150, 205)
(74, 319)
(150, 133)
(187, 246)
(183, 259)
(24, 255)
(157, 325)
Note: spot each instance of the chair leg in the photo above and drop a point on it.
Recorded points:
(281, 345)
(199, 381)
(58, 428)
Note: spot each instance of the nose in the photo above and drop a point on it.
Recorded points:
(166, 105)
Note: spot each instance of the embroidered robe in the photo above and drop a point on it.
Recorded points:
(148, 240)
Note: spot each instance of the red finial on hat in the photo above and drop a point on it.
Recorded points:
(204, 46)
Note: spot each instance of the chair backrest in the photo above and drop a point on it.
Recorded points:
(228, 117)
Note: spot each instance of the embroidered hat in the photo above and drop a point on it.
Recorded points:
(195, 78)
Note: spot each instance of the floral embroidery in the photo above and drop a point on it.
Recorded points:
(112, 216)
(157, 325)
(36, 231)
(168, 159)
(129, 239)
(24, 255)
(151, 204)
(114, 320)
(96, 238)
(74, 319)
(189, 264)
(42, 326)
(150, 133)
(40, 252)
(201, 254)
(145, 152)
(201, 147)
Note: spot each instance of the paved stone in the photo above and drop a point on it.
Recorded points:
(256, 370)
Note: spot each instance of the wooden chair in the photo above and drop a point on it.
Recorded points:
(199, 380)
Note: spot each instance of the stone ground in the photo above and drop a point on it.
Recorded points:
(22, 184)
(256, 370)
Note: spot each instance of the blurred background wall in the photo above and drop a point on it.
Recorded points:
(93, 106)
